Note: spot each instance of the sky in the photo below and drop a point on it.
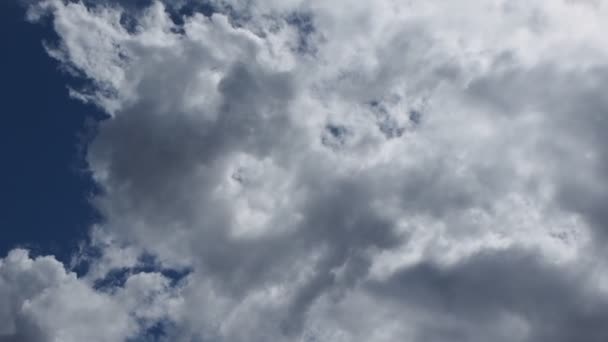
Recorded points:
(304, 170)
(45, 180)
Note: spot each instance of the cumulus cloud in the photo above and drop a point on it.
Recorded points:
(338, 171)
(41, 301)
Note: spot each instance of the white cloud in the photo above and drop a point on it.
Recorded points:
(313, 162)
(41, 301)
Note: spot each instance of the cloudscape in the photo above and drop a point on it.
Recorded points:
(312, 170)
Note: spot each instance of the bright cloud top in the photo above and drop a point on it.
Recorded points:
(334, 171)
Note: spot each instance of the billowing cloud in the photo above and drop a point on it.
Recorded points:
(41, 301)
(341, 171)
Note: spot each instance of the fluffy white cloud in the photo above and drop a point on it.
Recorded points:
(43, 302)
(357, 171)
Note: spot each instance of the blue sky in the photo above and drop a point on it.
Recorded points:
(45, 178)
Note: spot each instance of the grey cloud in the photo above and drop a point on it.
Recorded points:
(573, 139)
(555, 304)
(217, 159)
(146, 149)
(341, 219)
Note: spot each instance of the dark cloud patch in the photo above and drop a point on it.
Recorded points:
(304, 24)
(335, 136)
(340, 221)
(387, 124)
(26, 331)
(147, 157)
(415, 117)
(483, 289)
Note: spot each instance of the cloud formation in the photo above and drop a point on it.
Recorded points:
(335, 171)
(41, 301)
